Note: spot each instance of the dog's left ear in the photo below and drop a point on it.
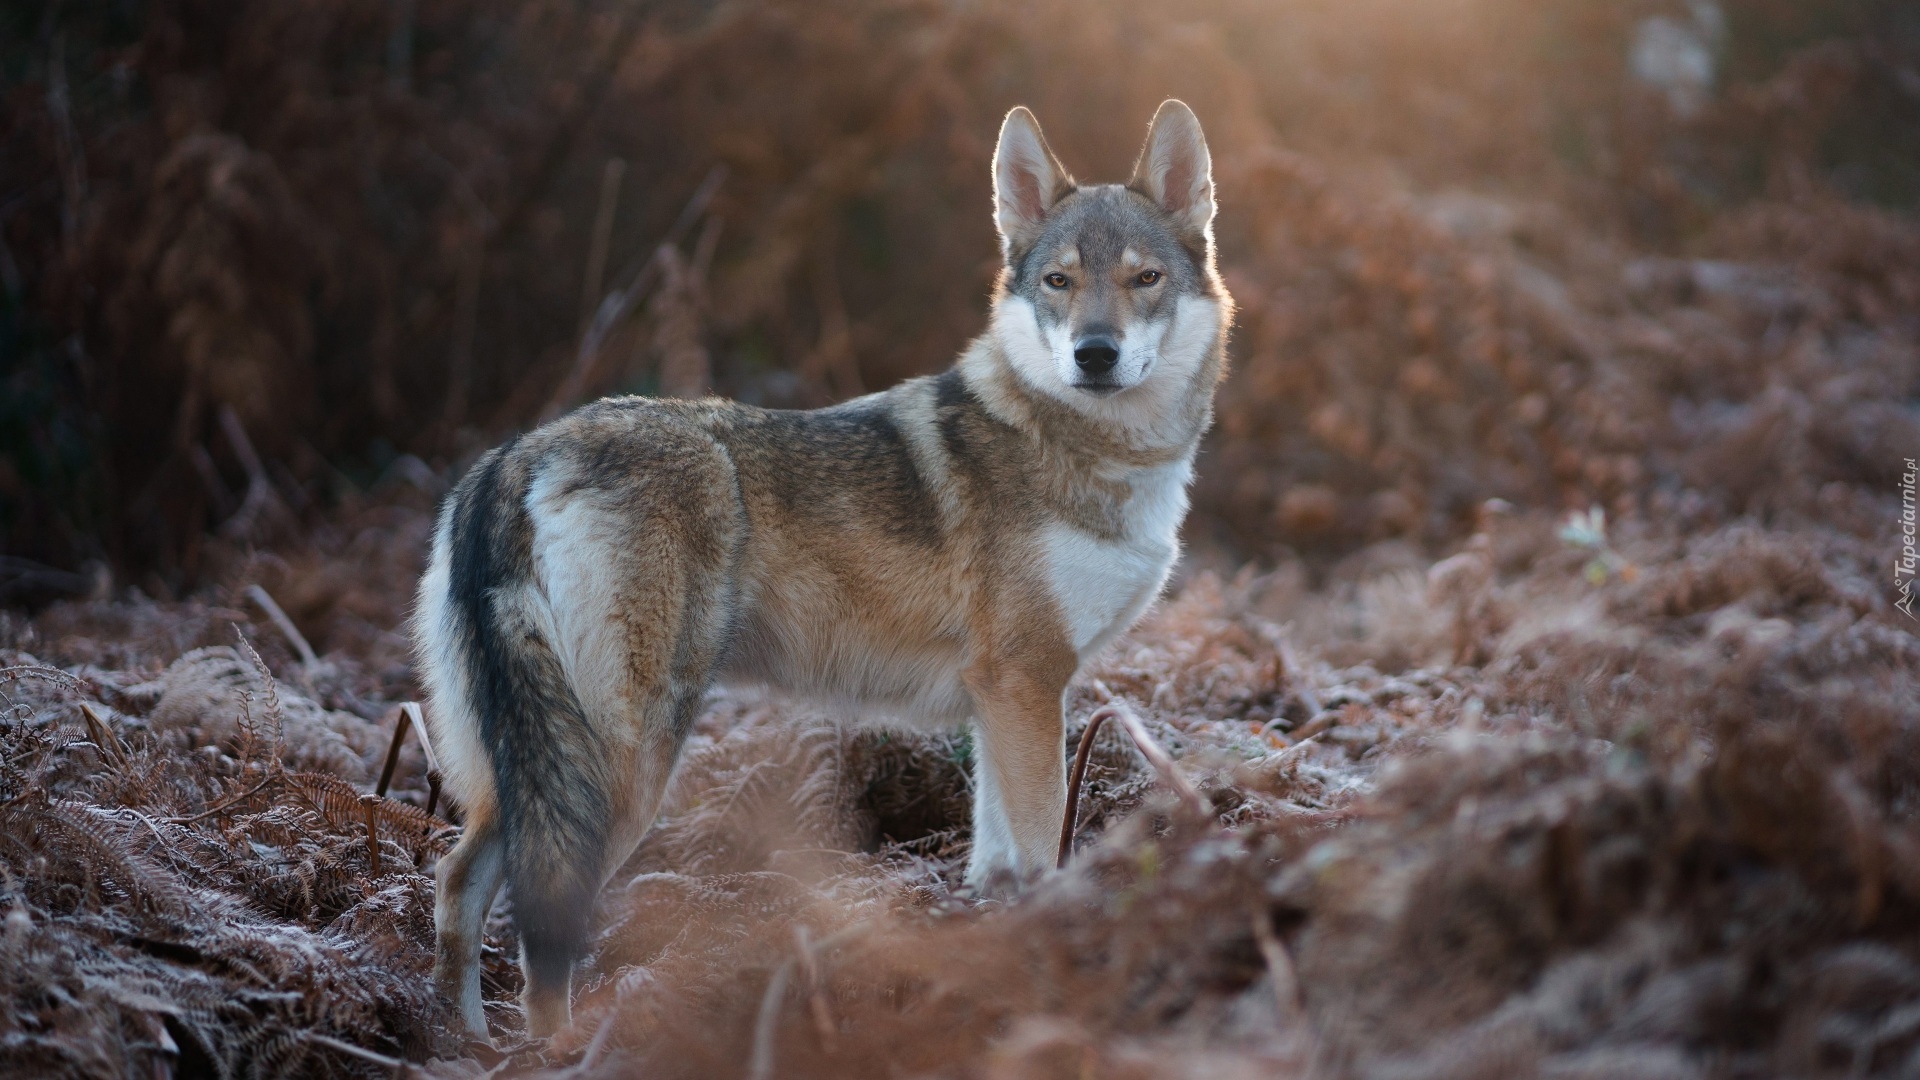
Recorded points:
(1176, 172)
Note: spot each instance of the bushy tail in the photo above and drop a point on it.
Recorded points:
(548, 770)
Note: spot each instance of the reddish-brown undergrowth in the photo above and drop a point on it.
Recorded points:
(1658, 826)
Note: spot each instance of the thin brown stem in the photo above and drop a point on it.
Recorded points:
(400, 725)
(1074, 779)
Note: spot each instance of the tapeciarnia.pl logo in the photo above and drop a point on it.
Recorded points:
(1903, 566)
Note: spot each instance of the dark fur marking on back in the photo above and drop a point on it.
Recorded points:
(977, 442)
(951, 399)
(852, 463)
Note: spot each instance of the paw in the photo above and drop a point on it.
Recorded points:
(1000, 883)
(477, 1036)
(998, 879)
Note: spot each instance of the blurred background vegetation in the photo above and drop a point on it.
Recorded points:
(258, 260)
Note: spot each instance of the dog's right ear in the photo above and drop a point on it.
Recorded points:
(1027, 181)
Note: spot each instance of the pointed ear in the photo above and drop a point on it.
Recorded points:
(1027, 180)
(1175, 170)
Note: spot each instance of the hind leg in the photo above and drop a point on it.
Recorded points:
(640, 690)
(547, 955)
(469, 877)
(636, 571)
(551, 944)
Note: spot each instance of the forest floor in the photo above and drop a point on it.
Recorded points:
(1561, 804)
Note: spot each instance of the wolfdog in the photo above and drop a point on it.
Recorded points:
(946, 551)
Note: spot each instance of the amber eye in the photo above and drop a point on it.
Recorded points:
(1148, 277)
(1057, 279)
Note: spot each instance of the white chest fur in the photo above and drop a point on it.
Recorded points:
(1103, 585)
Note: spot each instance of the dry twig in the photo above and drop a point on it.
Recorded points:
(285, 625)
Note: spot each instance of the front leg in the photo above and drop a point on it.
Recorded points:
(1020, 774)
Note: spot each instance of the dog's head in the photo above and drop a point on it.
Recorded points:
(1109, 291)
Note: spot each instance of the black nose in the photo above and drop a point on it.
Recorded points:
(1096, 355)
